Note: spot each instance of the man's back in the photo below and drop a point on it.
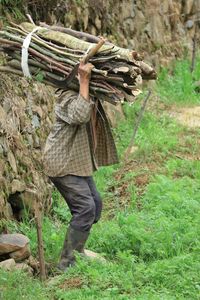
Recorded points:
(70, 145)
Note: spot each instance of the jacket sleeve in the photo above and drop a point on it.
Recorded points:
(73, 109)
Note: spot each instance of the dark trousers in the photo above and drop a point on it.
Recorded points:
(82, 198)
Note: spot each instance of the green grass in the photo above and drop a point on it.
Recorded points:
(152, 243)
(177, 85)
(17, 285)
(12, 7)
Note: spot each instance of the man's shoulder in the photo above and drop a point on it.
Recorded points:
(65, 95)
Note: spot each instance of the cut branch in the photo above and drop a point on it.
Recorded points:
(117, 72)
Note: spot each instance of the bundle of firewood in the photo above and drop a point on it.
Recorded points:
(53, 53)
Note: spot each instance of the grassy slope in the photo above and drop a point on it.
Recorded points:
(150, 230)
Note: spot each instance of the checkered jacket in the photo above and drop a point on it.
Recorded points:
(69, 149)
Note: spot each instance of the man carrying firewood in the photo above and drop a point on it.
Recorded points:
(79, 142)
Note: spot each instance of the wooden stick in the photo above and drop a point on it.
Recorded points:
(94, 49)
(38, 220)
(90, 53)
(30, 19)
(127, 152)
(44, 44)
(78, 34)
(8, 69)
(194, 40)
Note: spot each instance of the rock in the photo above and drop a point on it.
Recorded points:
(8, 211)
(8, 264)
(29, 140)
(21, 254)
(36, 141)
(85, 14)
(35, 121)
(188, 6)
(33, 263)
(2, 167)
(12, 161)
(189, 24)
(98, 22)
(24, 267)
(5, 208)
(2, 182)
(29, 198)
(1, 150)
(38, 111)
(17, 186)
(12, 242)
(3, 115)
(93, 30)
(3, 142)
(93, 255)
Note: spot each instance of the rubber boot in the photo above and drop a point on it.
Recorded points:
(74, 240)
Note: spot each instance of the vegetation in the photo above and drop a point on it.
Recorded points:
(173, 90)
(17, 9)
(149, 233)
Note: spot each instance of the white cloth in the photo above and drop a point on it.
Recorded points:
(24, 59)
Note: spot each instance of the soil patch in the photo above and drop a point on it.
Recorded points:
(71, 283)
(140, 174)
(187, 116)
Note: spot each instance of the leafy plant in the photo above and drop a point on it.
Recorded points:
(177, 84)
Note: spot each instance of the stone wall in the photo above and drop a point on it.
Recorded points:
(25, 119)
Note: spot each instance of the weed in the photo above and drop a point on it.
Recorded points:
(17, 285)
(178, 84)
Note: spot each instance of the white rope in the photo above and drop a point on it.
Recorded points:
(24, 58)
(90, 47)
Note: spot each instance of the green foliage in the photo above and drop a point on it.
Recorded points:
(17, 285)
(177, 85)
(11, 3)
(14, 7)
(182, 167)
(104, 178)
(39, 76)
(156, 134)
(167, 225)
(59, 208)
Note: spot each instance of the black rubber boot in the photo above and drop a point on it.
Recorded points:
(74, 240)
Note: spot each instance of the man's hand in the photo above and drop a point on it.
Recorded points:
(84, 75)
(84, 71)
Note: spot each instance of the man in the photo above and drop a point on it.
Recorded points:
(79, 142)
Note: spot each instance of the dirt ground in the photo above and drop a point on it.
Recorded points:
(188, 116)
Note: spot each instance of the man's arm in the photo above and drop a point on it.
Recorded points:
(76, 109)
(84, 75)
